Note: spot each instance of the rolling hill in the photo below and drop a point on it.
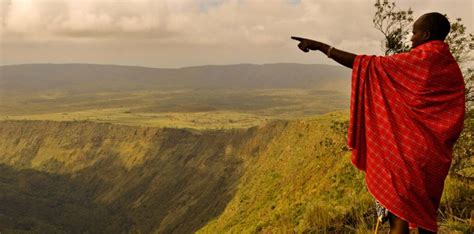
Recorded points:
(87, 78)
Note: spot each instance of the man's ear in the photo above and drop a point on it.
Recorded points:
(426, 35)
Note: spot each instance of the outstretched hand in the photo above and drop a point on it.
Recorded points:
(306, 44)
(342, 57)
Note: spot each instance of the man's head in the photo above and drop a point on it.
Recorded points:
(429, 27)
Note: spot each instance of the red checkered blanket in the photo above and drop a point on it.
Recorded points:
(406, 113)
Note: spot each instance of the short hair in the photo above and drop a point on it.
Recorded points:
(437, 24)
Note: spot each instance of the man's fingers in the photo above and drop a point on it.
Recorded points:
(298, 38)
(303, 48)
(303, 43)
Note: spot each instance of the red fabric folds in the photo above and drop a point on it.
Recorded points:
(406, 113)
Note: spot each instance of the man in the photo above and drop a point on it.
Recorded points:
(406, 114)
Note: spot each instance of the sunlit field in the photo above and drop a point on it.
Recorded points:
(184, 108)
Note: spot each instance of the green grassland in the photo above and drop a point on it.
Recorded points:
(284, 176)
(304, 183)
(179, 108)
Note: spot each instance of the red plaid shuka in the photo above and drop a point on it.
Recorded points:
(406, 113)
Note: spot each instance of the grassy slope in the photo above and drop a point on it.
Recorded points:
(304, 182)
(133, 179)
(290, 176)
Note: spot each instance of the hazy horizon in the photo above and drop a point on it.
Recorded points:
(144, 66)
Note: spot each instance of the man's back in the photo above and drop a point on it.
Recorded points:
(406, 112)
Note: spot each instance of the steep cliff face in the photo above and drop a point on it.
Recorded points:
(136, 179)
(302, 182)
(101, 178)
(174, 180)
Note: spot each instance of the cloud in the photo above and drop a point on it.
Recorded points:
(224, 21)
(227, 30)
(85, 18)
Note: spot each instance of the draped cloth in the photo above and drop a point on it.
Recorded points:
(406, 114)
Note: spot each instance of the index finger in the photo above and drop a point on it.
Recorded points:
(298, 38)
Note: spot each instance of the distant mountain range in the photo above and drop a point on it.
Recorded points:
(85, 78)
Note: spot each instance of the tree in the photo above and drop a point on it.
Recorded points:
(394, 25)
(461, 45)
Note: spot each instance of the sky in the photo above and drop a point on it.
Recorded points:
(181, 33)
